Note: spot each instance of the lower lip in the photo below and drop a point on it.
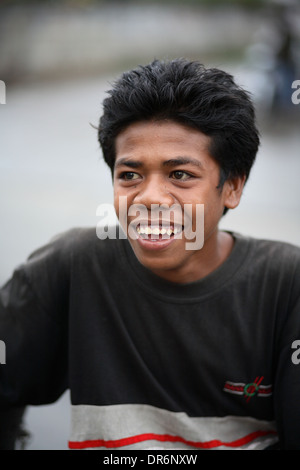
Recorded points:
(155, 245)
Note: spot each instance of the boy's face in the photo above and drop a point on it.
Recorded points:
(168, 165)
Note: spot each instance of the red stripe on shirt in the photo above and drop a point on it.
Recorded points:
(166, 438)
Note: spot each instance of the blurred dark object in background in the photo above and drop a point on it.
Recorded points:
(285, 61)
(12, 434)
(273, 59)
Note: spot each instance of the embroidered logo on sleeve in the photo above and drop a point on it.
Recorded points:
(250, 389)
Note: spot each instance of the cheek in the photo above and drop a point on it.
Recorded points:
(116, 203)
(213, 211)
(118, 197)
(121, 204)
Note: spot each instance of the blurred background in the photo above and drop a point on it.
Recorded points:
(58, 58)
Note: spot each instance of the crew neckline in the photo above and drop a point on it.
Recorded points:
(192, 291)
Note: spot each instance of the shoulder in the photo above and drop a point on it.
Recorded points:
(72, 242)
(275, 251)
(77, 250)
(274, 263)
(278, 253)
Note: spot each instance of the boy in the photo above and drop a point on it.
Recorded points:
(171, 334)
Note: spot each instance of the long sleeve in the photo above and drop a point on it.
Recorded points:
(35, 369)
(287, 383)
(33, 331)
(33, 327)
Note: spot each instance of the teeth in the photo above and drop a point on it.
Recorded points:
(146, 230)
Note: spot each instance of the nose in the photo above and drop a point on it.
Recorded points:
(153, 190)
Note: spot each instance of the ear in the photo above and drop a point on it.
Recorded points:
(232, 191)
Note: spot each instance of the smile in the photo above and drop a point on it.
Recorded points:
(158, 231)
(157, 237)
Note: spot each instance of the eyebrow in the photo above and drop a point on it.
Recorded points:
(182, 161)
(126, 162)
(168, 163)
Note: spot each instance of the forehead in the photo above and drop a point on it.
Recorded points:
(161, 136)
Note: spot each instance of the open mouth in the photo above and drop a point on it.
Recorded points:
(159, 231)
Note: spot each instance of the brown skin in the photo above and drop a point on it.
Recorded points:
(142, 174)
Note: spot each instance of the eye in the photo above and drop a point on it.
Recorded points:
(180, 175)
(129, 175)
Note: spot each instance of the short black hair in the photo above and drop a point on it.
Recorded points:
(184, 91)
